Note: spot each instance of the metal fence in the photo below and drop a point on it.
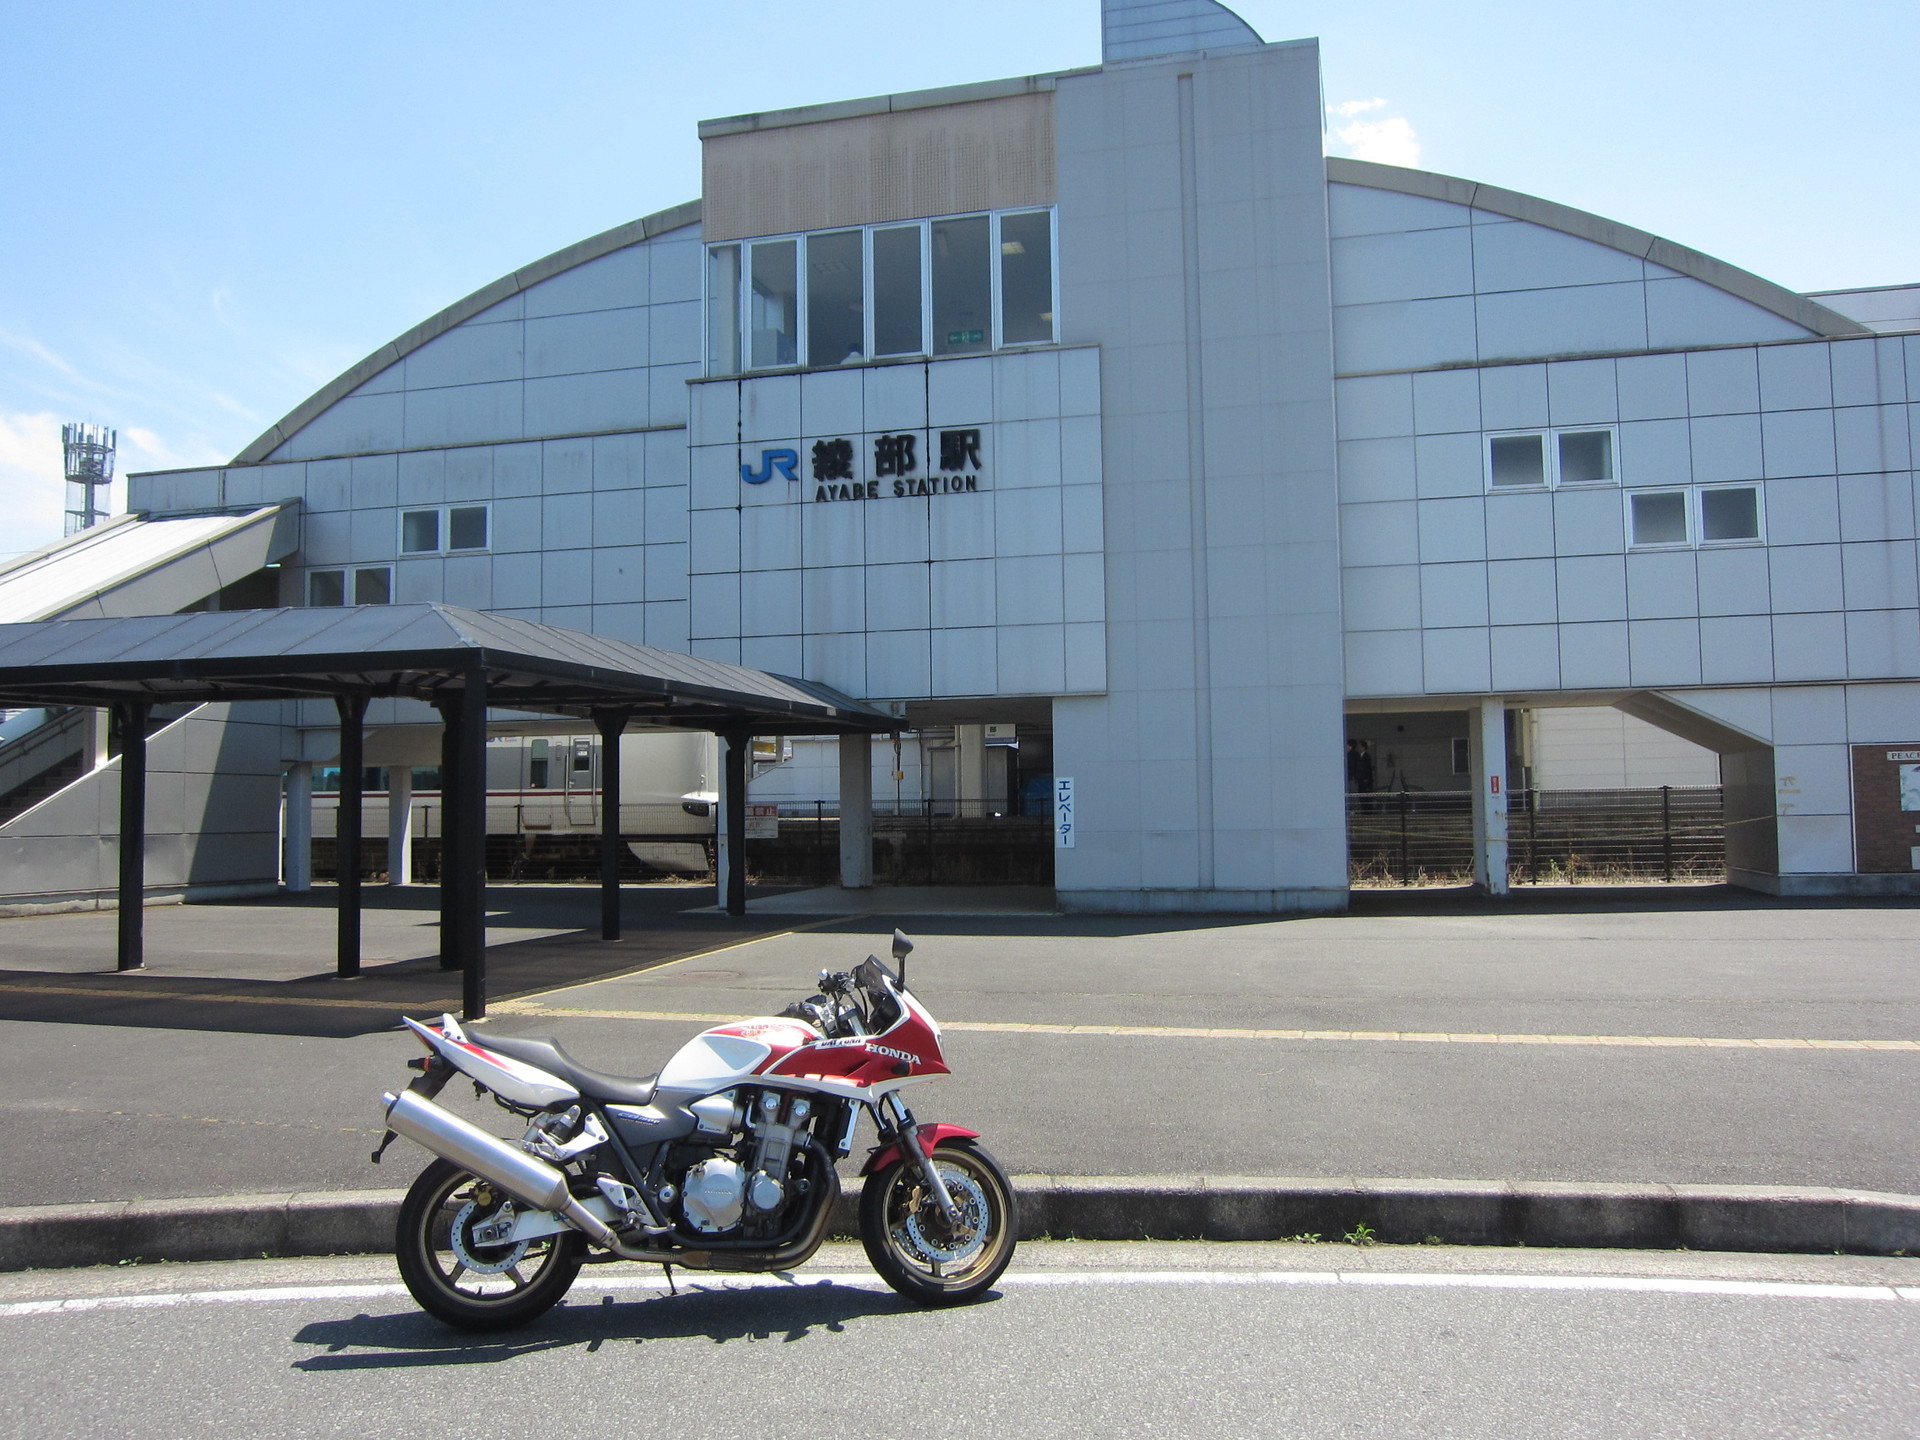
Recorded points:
(1659, 834)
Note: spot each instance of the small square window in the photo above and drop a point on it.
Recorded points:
(1585, 456)
(419, 532)
(1730, 514)
(326, 587)
(1518, 460)
(373, 586)
(1659, 517)
(467, 527)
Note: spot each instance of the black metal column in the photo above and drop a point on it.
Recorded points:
(612, 724)
(470, 880)
(450, 797)
(130, 739)
(347, 831)
(735, 820)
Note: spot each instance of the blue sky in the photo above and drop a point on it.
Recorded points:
(209, 208)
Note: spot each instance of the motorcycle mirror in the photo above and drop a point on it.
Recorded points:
(902, 947)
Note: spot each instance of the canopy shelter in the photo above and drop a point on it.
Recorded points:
(459, 661)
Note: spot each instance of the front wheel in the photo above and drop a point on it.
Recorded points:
(468, 1284)
(912, 1244)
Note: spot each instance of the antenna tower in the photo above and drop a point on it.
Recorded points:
(90, 450)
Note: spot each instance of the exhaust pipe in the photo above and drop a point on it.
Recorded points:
(527, 1178)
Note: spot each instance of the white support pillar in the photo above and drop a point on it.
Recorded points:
(856, 812)
(97, 746)
(970, 769)
(399, 825)
(297, 826)
(722, 857)
(1487, 750)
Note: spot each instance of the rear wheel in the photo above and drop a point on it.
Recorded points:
(912, 1244)
(471, 1285)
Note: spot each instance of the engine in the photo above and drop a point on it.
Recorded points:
(744, 1185)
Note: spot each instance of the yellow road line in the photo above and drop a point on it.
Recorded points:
(1192, 1032)
(503, 1007)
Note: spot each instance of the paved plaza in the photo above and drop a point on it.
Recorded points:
(1683, 1036)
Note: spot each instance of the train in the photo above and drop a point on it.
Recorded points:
(544, 790)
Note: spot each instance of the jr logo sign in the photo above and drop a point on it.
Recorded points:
(772, 463)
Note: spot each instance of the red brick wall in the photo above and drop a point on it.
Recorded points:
(1885, 836)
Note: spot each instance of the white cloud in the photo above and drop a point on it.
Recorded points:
(1388, 140)
(33, 480)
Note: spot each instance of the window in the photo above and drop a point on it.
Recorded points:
(836, 312)
(773, 305)
(1657, 517)
(1720, 515)
(537, 767)
(1550, 457)
(443, 528)
(1729, 515)
(1517, 460)
(1586, 456)
(959, 285)
(1026, 278)
(962, 286)
(723, 308)
(899, 256)
(372, 585)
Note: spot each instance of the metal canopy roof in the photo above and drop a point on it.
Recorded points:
(411, 651)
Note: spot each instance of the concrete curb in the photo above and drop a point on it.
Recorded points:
(1766, 1219)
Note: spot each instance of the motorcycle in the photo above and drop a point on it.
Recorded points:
(723, 1161)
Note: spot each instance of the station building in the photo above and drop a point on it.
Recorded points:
(1104, 405)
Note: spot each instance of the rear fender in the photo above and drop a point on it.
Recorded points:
(930, 1136)
(518, 1081)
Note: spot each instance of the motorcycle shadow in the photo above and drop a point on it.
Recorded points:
(761, 1313)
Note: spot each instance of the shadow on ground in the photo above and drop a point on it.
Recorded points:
(762, 1313)
(659, 926)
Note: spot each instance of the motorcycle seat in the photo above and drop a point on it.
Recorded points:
(548, 1056)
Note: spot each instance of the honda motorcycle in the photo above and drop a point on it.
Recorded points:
(723, 1161)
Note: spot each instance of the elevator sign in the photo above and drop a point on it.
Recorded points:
(1063, 821)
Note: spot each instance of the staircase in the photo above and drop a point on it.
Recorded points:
(45, 759)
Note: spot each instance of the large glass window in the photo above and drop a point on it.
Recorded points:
(723, 310)
(1026, 278)
(955, 286)
(962, 286)
(836, 311)
(773, 305)
(898, 321)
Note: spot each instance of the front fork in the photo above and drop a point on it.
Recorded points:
(908, 1132)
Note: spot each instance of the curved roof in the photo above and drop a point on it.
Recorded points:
(1809, 314)
(1743, 284)
(485, 298)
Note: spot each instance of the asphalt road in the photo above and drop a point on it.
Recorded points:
(180, 1099)
(1106, 1341)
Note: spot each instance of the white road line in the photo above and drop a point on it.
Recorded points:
(1065, 1279)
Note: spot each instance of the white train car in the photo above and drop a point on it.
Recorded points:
(545, 792)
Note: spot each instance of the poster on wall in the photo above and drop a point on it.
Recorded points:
(1886, 808)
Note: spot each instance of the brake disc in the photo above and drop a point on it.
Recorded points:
(967, 1237)
(509, 1256)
